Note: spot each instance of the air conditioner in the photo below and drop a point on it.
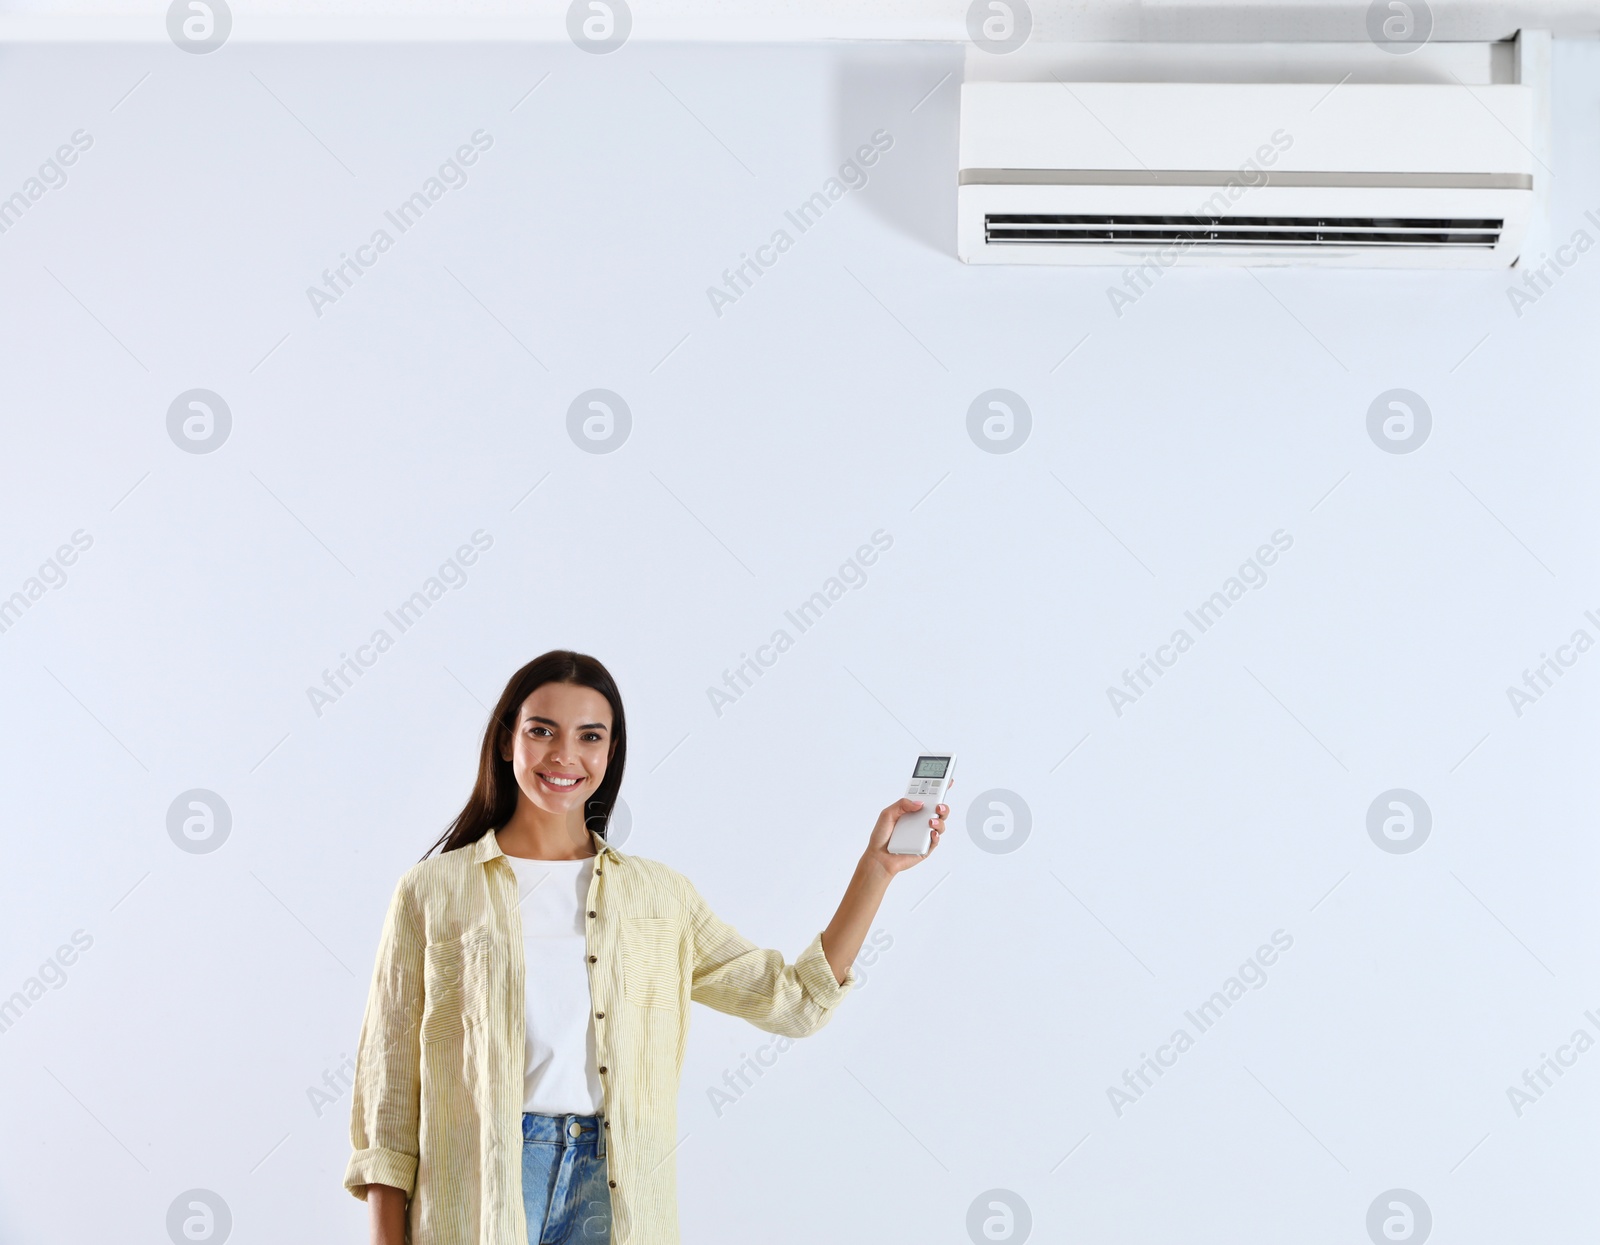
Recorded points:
(1362, 174)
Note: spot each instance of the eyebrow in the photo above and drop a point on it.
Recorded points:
(587, 726)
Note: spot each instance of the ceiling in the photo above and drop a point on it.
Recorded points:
(766, 21)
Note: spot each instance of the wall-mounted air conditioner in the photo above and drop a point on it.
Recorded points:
(1366, 174)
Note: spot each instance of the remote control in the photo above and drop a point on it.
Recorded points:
(930, 781)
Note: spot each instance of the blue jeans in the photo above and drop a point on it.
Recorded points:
(564, 1190)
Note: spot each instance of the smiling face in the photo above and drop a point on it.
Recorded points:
(561, 747)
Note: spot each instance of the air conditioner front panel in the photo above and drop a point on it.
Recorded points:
(1372, 175)
(1199, 125)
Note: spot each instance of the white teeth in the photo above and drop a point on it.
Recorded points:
(559, 782)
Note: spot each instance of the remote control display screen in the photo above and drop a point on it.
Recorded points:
(931, 767)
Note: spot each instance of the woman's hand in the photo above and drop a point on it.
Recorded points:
(841, 941)
(878, 846)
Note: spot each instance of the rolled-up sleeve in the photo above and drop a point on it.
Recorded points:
(386, 1100)
(734, 975)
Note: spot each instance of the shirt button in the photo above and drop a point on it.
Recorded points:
(602, 1069)
(594, 959)
(591, 912)
(599, 1015)
(612, 1183)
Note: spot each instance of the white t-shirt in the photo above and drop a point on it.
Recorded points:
(560, 1075)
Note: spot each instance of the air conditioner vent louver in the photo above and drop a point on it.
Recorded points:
(1125, 230)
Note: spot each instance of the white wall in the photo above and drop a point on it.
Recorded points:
(830, 401)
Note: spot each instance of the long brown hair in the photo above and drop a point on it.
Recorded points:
(494, 795)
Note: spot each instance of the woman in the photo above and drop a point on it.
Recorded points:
(517, 1073)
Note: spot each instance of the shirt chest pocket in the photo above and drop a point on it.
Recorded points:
(650, 972)
(455, 978)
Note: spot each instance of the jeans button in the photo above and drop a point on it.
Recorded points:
(574, 1128)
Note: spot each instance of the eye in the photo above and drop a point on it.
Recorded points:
(592, 737)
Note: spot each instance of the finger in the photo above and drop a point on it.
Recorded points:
(894, 813)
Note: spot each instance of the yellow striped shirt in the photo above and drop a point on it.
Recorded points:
(437, 1105)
